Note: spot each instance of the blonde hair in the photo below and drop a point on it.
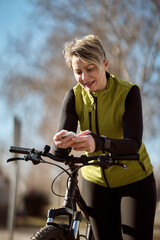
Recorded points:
(88, 49)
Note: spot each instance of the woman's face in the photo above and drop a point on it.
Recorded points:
(88, 75)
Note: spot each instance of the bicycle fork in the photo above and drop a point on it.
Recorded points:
(76, 217)
(68, 208)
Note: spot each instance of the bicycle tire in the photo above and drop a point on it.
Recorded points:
(50, 233)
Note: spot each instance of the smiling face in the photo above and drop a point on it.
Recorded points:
(89, 75)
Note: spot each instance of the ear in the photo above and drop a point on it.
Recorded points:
(105, 64)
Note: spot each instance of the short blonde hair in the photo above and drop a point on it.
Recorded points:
(88, 49)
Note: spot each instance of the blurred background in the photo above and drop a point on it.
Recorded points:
(34, 80)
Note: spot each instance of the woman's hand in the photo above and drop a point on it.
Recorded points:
(63, 142)
(84, 142)
(81, 142)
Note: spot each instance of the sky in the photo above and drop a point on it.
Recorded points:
(13, 20)
(13, 14)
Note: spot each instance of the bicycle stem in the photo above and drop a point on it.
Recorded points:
(71, 188)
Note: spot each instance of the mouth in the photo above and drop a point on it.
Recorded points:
(89, 84)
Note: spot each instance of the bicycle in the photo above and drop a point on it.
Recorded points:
(62, 231)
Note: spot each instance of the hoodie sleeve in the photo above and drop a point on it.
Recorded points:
(68, 120)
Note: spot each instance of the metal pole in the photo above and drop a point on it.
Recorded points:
(14, 183)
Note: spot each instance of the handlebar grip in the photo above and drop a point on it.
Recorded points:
(126, 157)
(20, 150)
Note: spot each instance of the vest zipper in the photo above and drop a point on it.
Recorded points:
(90, 121)
(96, 115)
(97, 132)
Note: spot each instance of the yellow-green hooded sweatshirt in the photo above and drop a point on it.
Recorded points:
(110, 112)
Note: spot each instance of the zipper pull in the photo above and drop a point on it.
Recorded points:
(95, 103)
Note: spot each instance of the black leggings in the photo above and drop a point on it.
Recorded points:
(118, 212)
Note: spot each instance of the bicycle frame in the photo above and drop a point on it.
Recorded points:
(71, 200)
(72, 196)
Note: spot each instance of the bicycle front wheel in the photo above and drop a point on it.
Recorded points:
(50, 233)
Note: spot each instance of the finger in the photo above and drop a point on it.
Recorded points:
(85, 143)
(58, 135)
(80, 143)
(79, 147)
(65, 142)
(86, 132)
(83, 148)
(77, 144)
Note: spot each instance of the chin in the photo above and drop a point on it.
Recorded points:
(90, 89)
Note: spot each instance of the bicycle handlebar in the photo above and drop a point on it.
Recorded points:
(104, 160)
(20, 150)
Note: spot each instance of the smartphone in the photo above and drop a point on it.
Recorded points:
(68, 134)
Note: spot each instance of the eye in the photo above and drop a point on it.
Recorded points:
(78, 73)
(90, 69)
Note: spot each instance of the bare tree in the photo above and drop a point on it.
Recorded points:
(35, 83)
(130, 33)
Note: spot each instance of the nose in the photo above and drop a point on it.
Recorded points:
(84, 77)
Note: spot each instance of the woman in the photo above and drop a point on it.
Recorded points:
(109, 113)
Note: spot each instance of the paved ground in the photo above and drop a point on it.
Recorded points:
(19, 234)
(25, 233)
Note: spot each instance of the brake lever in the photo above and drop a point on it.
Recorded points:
(14, 159)
(105, 164)
(110, 162)
(34, 157)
